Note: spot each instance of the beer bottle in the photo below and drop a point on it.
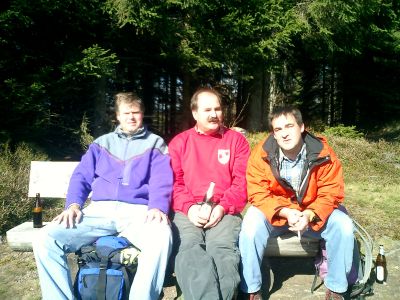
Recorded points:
(37, 213)
(208, 204)
(208, 197)
(381, 266)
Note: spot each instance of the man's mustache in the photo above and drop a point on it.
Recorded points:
(213, 119)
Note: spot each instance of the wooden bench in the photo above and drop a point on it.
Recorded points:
(51, 179)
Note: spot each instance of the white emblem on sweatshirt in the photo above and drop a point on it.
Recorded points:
(223, 156)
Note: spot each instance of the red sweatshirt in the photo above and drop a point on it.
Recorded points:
(198, 159)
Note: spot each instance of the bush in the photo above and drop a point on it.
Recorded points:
(15, 207)
(343, 131)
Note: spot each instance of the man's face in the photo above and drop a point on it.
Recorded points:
(288, 134)
(130, 117)
(208, 114)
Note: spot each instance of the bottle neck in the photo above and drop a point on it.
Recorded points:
(210, 191)
(381, 251)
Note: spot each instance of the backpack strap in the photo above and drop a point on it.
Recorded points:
(76, 288)
(101, 283)
(115, 257)
(127, 283)
(368, 246)
(364, 286)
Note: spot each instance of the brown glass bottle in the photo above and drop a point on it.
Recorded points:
(381, 271)
(207, 204)
(37, 213)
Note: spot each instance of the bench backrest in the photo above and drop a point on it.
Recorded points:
(50, 178)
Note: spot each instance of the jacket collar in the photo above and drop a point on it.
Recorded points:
(141, 132)
(314, 146)
(219, 133)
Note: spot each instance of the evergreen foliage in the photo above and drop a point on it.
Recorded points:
(343, 131)
(61, 60)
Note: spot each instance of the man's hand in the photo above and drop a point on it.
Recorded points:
(217, 214)
(199, 215)
(156, 215)
(69, 217)
(301, 225)
(292, 215)
(205, 211)
(297, 220)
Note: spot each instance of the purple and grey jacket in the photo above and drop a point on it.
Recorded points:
(134, 169)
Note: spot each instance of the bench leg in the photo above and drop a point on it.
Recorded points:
(313, 286)
(267, 278)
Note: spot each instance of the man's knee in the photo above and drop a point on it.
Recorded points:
(42, 239)
(160, 234)
(342, 222)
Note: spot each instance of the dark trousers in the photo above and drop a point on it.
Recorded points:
(207, 261)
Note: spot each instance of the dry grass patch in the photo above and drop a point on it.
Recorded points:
(18, 275)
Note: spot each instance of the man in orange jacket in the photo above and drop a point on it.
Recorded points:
(295, 183)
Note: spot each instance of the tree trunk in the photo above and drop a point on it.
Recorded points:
(258, 93)
(100, 121)
(186, 116)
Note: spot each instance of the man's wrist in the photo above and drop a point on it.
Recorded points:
(310, 214)
(74, 205)
(283, 213)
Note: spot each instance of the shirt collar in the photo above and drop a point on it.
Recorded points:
(137, 133)
(220, 131)
(300, 155)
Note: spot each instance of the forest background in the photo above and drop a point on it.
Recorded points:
(61, 61)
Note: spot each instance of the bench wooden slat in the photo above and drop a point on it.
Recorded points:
(290, 245)
(50, 178)
(20, 237)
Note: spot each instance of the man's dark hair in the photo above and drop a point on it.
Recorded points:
(285, 110)
(195, 97)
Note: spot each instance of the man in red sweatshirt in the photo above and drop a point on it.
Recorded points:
(208, 155)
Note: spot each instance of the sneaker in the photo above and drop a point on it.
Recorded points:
(255, 296)
(330, 295)
(249, 296)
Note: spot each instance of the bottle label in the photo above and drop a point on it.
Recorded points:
(37, 220)
(380, 273)
(129, 256)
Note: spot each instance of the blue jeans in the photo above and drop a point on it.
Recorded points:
(207, 261)
(103, 218)
(338, 233)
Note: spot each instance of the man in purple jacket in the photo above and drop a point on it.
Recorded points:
(128, 172)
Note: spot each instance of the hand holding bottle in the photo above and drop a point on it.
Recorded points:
(207, 205)
(205, 211)
(217, 214)
(196, 217)
(200, 213)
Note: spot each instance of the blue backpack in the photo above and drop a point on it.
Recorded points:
(106, 269)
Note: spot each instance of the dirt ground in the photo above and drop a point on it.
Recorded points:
(291, 277)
